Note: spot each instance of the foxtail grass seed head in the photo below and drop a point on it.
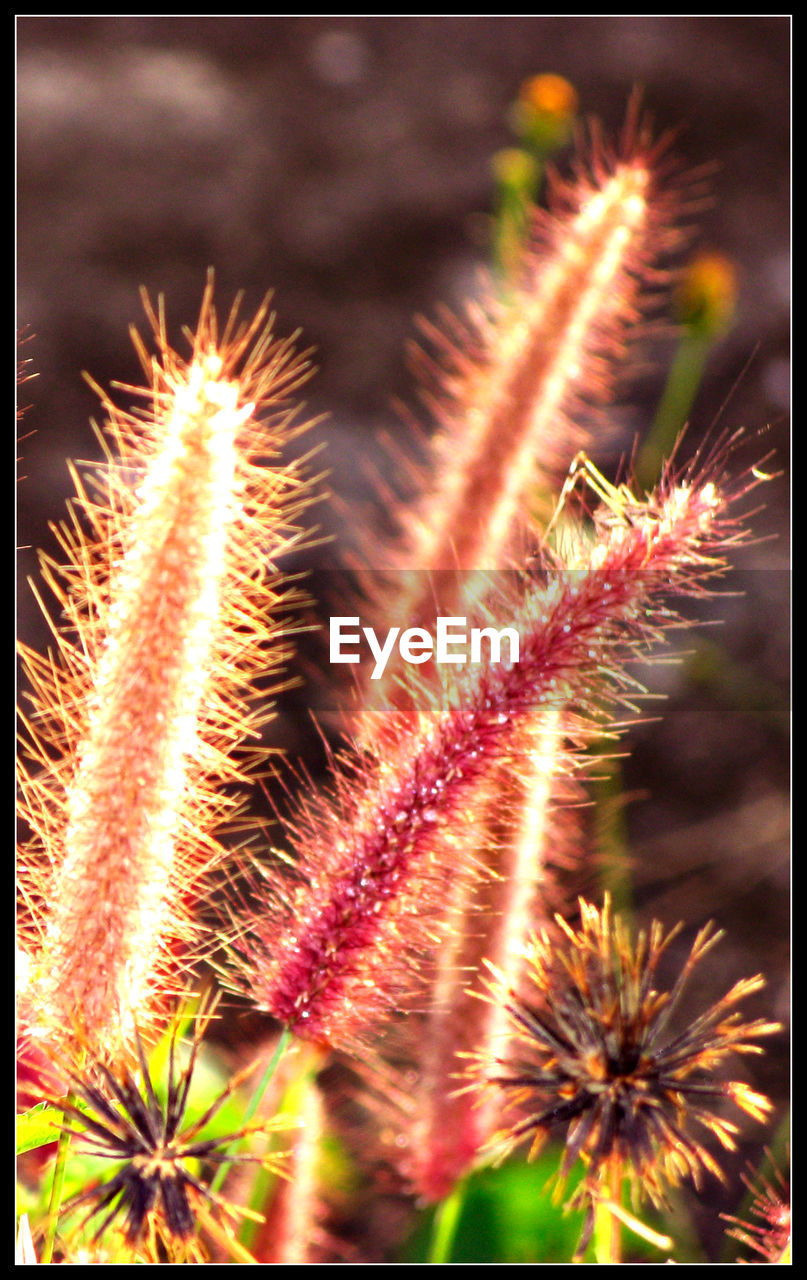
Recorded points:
(593, 1058)
(174, 608)
(293, 1233)
(332, 943)
(515, 386)
(525, 846)
(510, 384)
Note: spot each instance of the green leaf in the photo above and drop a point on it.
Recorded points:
(509, 1216)
(35, 1128)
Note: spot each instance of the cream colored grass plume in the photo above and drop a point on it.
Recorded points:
(170, 605)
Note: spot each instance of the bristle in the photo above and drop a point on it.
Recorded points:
(769, 1235)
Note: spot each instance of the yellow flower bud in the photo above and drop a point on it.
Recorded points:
(549, 95)
(706, 298)
(543, 113)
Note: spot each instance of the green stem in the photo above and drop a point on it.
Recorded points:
(444, 1227)
(259, 1193)
(254, 1103)
(611, 830)
(57, 1186)
(683, 380)
(607, 1235)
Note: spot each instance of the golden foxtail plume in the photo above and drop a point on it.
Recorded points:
(512, 381)
(172, 605)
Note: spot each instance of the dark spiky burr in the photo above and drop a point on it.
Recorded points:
(593, 1059)
(157, 1193)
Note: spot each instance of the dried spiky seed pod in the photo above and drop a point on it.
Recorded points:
(592, 1058)
(163, 1201)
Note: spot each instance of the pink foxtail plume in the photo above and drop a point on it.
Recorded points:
(334, 944)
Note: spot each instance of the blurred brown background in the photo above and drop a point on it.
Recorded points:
(345, 162)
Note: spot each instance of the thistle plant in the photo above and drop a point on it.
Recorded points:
(367, 921)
